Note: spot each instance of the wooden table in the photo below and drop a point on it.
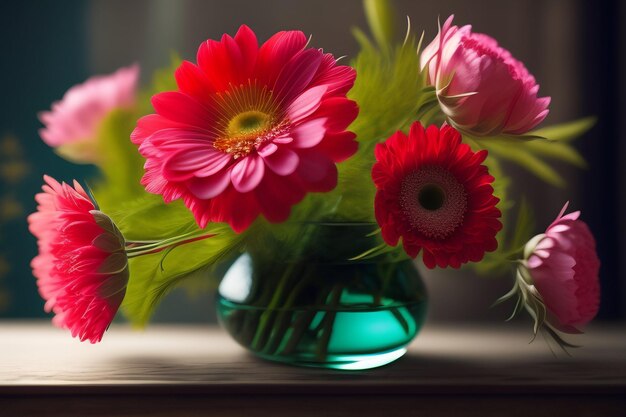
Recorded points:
(198, 370)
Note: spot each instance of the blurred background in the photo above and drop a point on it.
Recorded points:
(575, 48)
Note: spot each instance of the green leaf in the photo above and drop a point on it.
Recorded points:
(153, 276)
(362, 39)
(511, 241)
(148, 217)
(556, 150)
(519, 154)
(566, 131)
(380, 17)
(532, 149)
(524, 226)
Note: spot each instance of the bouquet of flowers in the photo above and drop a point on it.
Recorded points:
(309, 185)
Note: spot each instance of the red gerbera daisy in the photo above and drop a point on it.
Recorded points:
(435, 194)
(251, 130)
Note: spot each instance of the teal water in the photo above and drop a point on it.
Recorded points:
(351, 336)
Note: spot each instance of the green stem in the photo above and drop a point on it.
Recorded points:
(299, 327)
(267, 315)
(304, 322)
(158, 246)
(329, 321)
(285, 316)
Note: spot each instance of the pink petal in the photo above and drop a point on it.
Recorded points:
(276, 51)
(283, 141)
(200, 162)
(267, 149)
(247, 173)
(283, 162)
(148, 125)
(309, 134)
(305, 104)
(209, 187)
(339, 79)
(297, 74)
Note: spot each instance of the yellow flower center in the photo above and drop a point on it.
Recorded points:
(248, 122)
(244, 132)
(250, 117)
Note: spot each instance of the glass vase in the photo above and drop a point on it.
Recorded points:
(305, 297)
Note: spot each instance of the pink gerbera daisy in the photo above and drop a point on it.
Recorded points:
(251, 130)
(71, 126)
(82, 266)
(481, 87)
(563, 265)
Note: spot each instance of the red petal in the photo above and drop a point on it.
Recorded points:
(181, 108)
(249, 46)
(192, 81)
(276, 52)
(340, 112)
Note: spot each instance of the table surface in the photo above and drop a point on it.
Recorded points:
(168, 365)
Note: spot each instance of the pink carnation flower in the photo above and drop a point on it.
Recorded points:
(251, 130)
(480, 86)
(72, 125)
(82, 267)
(563, 266)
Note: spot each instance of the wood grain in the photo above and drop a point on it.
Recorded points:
(191, 369)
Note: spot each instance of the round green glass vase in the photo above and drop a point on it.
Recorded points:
(301, 298)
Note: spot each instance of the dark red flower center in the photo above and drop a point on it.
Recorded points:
(433, 201)
(431, 197)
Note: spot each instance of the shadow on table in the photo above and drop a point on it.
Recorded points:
(414, 372)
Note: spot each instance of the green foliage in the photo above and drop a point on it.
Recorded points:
(154, 275)
(148, 218)
(390, 91)
(566, 132)
(501, 182)
(501, 185)
(380, 18)
(524, 157)
(511, 242)
(531, 151)
(534, 150)
(121, 165)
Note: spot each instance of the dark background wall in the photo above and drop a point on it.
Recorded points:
(575, 49)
